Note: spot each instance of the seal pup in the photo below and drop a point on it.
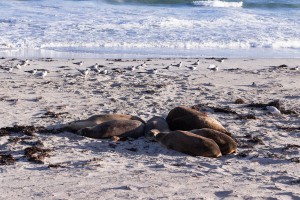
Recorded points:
(158, 123)
(98, 119)
(226, 144)
(120, 128)
(188, 143)
(184, 118)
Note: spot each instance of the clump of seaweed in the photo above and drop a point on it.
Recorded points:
(36, 154)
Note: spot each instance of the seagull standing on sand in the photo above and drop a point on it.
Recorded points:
(167, 67)
(273, 110)
(213, 67)
(179, 64)
(153, 71)
(105, 72)
(220, 60)
(80, 63)
(10, 69)
(33, 72)
(192, 68)
(26, 62)
(43, 73)
(84, 72)
(132, 68)
(18, 66)
(197, 63)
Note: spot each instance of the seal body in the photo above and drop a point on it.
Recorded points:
(158, 123)
(187, 143)
(184, 118)
(120, 128)
(98, 119)
(226, 144)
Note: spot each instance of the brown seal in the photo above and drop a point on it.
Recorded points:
(120, 128)
(184, 118)
(98, 119)
(226, 144)
(188, 143)
(158, 123)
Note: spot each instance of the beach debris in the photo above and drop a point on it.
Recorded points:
(244, 154)
(57, 165)
(3, 132)
(247, 116)
(7, 159)
(27, 130)
(273, 110)
(239, 101)
(289, 128)
(217, 59)
(233, 69)
(198, 107)
(36, 154)
(132, 149)
(50, 114)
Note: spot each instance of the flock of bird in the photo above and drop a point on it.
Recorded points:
(96, 68)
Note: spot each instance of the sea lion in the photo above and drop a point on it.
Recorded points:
(158, 123)
(188, 143)
(120, 128)
(98, 119)
(226, 144)
(184, 118)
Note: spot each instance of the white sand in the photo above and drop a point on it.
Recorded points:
(140, 169)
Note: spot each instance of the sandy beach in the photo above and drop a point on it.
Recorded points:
(266, 165)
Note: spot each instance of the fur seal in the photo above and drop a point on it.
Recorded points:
(226, 144)
(184, 118)
(98, 119)
(120, 128)
(188, 143)
(158, 123)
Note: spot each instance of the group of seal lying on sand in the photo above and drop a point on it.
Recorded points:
(185, 130)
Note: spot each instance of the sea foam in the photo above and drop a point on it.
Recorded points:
(218, 4)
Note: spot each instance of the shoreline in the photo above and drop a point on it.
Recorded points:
(78, 167)
(104, 53)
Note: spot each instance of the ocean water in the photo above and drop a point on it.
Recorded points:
(150, 28)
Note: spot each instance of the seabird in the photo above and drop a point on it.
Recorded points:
(132, 68)
(153, 71)
(10, 69)
(144, 64)
(84, 72)
(43, 73)
(33, 72)
(105, 72)
(178, 65)
(192, 67)
(18, 66)
(221, 60)
(213, 67)
(196, 63)
(167, 67)
(80, 63)
(273, 110)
